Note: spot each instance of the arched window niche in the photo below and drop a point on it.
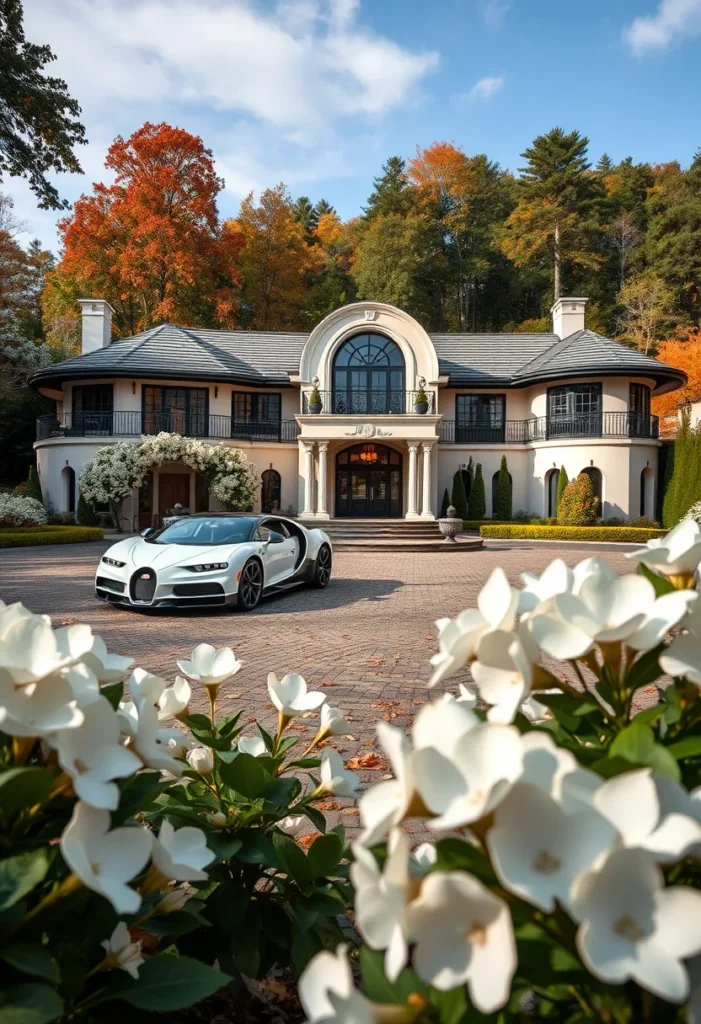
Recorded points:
(368, 376)
(597, 483)
(552, 479)
(271, 490)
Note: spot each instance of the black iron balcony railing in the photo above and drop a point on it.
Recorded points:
(132, 424)
(546, 428)
(369, 402)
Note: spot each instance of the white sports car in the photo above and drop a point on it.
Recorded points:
(213, 559)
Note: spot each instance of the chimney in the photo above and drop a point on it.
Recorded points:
(568, 316)
(97, 324)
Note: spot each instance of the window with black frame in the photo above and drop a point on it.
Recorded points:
(176, 410)
(574, 410)
(480, 418)
(255, 415)
(368, 376)
(639, 411)
(93, 409)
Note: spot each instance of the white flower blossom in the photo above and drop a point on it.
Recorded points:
(201, 759)
(174, 699)
(634, 927)
(503, 672)
(335, 777)
(463, 935)
(37, 709)
(676, 555)
(253, 745)
(107, 668)
(290, 695)
(332, 722)
(327, 993)
(175, 900)
(381, 899)
(291, 824)
(180, 855)
(105, 860)
(122, 953)
(209, 666)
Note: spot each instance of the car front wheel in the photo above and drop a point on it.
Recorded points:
(250, 586)
(322, 568)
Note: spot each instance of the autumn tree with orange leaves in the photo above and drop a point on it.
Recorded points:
(684, 352)
(151, 243)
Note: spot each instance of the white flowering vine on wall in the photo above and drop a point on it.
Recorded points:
(116, 470)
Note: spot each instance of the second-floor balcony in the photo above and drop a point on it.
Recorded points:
(552, 428)
(369, 402)
(127, 424)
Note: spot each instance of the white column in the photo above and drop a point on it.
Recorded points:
(411, 510)
(308, 510)
(426, 512)
(321, 510)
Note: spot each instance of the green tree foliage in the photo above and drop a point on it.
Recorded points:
(85, 514)
(458, 498)
(39, 123)
(673, 245)
(578, 506)
(391, 191)
(305, 214)
(683, 488)
(34, 486)
(502, 509)
(322, 208)
(445, 503)
(477, 505)
(562, 482)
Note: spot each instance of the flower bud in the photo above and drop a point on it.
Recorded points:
(174, 900)
(201, 759)
(218, 819)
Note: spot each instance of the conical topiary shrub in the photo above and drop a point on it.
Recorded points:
(34, 485)
(458, 498)
(502, 508)
(445, 503)
(562, 482)
(85, 515)
(478, 503)
(579, 505)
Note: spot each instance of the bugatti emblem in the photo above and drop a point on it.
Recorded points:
(145, 576)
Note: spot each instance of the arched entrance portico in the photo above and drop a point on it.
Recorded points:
(369, 482)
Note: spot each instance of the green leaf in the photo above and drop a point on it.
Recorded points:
(636, 744)
(180, 922)
(22, 788)
(660, 583)
(32, 958)
(245, 775)
(316, 817)
(267, 738)
(650, 715)
(292, 858)
(227, 725)
(224, 846)
(451, 1006)
(645, 669)
(29, 1004)
(200, 723)
(114, 693)
(306, 762)
(282, 792)
(690, 746)
(138, 793)
(376, 986)
(167, 983)
(324, 855)
(257, 849)
(19, 875)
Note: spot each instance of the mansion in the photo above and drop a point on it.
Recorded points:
(366, 416)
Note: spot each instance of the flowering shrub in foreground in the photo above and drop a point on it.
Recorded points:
(16, 510)
(126, 841)
(564, 880)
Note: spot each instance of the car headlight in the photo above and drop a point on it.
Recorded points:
(207, 567)
(114, 562)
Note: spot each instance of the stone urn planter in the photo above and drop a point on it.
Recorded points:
(450, 526)
(421, 403)
(314, 404)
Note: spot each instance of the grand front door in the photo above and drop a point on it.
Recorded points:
(369, 482)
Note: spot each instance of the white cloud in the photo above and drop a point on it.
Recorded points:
(493, 12)
(671, 22)
(484, 90)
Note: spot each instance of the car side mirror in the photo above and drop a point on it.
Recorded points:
(148, 532)
(276, 538)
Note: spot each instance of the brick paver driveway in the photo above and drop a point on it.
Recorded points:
(368, 637)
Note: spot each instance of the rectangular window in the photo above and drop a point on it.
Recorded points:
(574, 410)
(480, 418)
(639, 424)
(176, 410)
(93, 409)
(256, 415)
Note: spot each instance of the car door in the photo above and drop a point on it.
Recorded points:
(283, 556)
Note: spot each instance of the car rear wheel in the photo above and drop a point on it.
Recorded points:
(322, 568)
(250, 585)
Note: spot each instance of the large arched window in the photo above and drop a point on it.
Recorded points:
(368, 376)
(552, 479)
(69, 486)
(597, 483)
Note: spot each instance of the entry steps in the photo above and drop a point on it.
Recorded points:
(399, 535)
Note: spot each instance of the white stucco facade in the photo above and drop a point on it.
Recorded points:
(315, 453)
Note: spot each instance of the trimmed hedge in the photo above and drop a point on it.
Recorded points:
(32, 536)
(476, 524)
(621, 534)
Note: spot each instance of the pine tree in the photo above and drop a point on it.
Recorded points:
(445, 503)
(85, 516)
(34, 485)
(468, 475)
(322, 208)
(458, 497)
(478, 501)
(391, 191)
(605, 164)
(305, 214)
(562, 482)
(502, 509)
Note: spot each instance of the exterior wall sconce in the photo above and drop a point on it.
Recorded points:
(133, 387)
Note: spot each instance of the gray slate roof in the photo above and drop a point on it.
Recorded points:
(262, 359)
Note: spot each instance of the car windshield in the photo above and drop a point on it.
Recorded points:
(214, 530)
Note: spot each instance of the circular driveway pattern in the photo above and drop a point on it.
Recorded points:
(366, 639)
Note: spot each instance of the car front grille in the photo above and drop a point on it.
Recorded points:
(143, 585)
(107, 584)
(198, 589)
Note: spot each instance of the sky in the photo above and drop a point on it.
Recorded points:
(319, 93)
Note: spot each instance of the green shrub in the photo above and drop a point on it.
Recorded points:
(31, 537)
(562, 482)
(621, 534)
(578, 505)
(502, 507)
(645, 523)
(85, 515)
(33, 485)
(468, 475)
(476, 524)
(445, 503)
(477, 505)
(684, 487)
(458, 498)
